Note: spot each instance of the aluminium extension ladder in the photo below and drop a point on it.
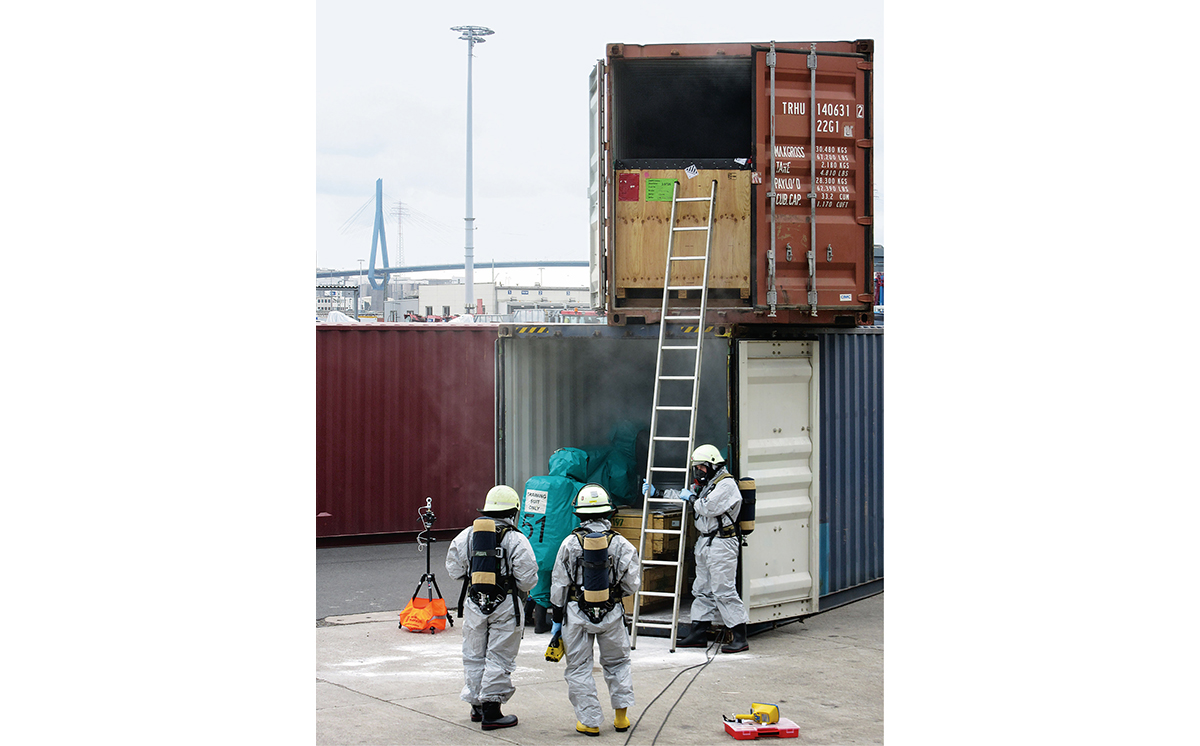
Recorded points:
(657, 468)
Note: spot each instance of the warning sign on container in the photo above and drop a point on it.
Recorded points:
(629, 187)
(660, 190)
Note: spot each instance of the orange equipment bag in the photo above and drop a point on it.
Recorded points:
(424, 614)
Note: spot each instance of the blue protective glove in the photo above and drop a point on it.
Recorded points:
(555, 630)
(686, 494)
(647, 489)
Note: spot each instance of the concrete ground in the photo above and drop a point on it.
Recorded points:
(379, 684)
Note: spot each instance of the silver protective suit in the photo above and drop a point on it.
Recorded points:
(579, 632)
(491, 641)
(715, 590)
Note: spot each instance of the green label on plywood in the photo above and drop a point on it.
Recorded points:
(660, 190)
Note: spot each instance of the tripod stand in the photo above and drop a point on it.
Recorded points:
(428, 580)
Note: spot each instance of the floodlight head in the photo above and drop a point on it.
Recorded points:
(472, 34)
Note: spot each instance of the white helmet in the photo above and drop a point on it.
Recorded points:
(707, 454)
(592, 499)
(706, 460)
(501, 498)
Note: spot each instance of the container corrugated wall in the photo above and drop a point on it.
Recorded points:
(570, 392)
(851, 459)
(404, 412)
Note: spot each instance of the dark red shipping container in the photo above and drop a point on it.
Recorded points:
(404, 412)
(785, 130)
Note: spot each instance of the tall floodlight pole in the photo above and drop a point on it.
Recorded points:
(472, 35)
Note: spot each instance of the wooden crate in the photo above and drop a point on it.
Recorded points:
(641, 231)
(628, 523)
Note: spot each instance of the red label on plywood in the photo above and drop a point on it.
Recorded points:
(629, 187)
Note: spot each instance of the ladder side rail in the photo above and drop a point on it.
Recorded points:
(679, 573)
(695, 403)
(662, 333)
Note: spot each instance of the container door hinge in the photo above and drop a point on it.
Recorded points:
(829, 253)
(863, 220)
(789, 252)
(863, 143)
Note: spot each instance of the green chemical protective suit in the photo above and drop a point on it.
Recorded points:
(547, 513)
(614, 467)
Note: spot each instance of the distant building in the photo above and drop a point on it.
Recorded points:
(449, 300)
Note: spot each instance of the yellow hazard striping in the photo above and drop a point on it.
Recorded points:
(532, 330)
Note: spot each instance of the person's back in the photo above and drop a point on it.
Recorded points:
(595, 567)
(495, 562)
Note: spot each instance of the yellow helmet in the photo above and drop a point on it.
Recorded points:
(592, 498)
(501, 498)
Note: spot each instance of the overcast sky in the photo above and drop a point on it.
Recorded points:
(391, 104)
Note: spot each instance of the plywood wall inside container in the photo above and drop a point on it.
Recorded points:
(641, 231)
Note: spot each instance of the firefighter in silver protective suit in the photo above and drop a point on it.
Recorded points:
(594, 568)
(715, 506)
(496, 564)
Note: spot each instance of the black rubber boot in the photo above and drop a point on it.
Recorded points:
(493, 718)
(530, 605)
(476, 713)
(697, 638)
(541, 621)
(738, 643)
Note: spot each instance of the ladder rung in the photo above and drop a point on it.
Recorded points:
(670, 531)
(681, 347)
(675, 500)
(690, 228)
(687, 258)
(672, 408)
(659, 562)
(661, 594)
(660, 625)
(676, 438)
(681, 318)
(693, 199)
(685, 287)
(668, 468)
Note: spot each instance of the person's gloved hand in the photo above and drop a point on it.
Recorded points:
(555, 630)
(647, 489)
(686, 494)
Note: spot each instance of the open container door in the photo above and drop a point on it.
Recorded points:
(596, 189)
(778, 395)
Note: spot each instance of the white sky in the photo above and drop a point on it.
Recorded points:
(391, 104)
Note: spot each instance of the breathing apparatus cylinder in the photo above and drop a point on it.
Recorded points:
(595, 569)
(484, 563)
(746, 514)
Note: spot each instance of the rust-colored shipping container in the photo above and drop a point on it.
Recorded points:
(404, 412)
(795, 249)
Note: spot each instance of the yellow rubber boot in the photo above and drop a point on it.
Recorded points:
(620, 722)
(580, 727)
